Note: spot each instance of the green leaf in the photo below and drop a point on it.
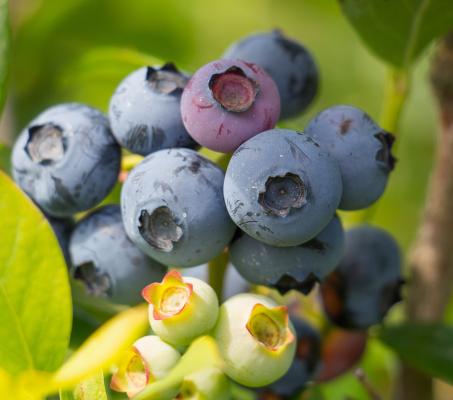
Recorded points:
(5, 155)
(97, 73)
(399, 30)
(35, 300)
(103, 348)
(426, 347)
(201, 354)
(4, 49)
(90, 389)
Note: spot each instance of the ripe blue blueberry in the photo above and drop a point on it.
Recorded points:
(66, 159)
(304, 366)
(289, 64)
(173, 208)
(362, 149)
(286, 268)
(281, 188)
(367, 281)
(107, 262)
(145, 113)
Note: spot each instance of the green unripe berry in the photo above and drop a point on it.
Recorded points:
(181, 309)
(148, 360)
(207, 384)
(255, 338)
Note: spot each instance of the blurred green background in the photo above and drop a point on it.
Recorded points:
(79, 50)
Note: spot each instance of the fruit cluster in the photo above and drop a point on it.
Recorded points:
(274, 210)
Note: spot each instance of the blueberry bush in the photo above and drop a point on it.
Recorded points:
(226, 200)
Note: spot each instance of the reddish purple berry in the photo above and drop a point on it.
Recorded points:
(227, 102)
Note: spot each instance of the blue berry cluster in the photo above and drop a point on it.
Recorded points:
(274, 208)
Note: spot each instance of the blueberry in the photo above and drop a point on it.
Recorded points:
(173, 208)
(303, 368)
(107, 262)
(281, 188)
(181, 309)
(287, 268)
(289, 64)
(255, 338)
(145, 112)
(66, 160)
(341, 350)
(226, 102)
(367, 281)
(62, 228)
(362, 149)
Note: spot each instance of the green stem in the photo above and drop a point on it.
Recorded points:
(396, 94)
(217, 269)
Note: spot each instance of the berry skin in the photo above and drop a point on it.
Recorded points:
(289, 64)
(149, 359)
(181, 309)
(362, 149)
(367, 281)
(227, 102)
(303, 368)
(66, 159)
(286, 268)
(255, 339)
(281, 188)
(173, 208)
(62, 228)
(145, 112)
(207, 384)
(341, 350)
(107, 262)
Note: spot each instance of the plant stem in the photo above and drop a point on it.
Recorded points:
(395, 96)
(217, 268)
(430, 262)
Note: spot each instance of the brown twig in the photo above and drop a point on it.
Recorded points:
(362, 378)
(430, 261)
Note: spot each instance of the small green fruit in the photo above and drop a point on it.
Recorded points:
(181, 309)
(256, 339)
(148, 360)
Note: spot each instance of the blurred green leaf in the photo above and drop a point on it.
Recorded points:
(428, 348)
(90, 389)
(83, 325)
(5, 156)
(94, 77)
(54, 35)
(399, 30)
(103, 348)
(4, 49)
(202, 353)
(35, 300)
